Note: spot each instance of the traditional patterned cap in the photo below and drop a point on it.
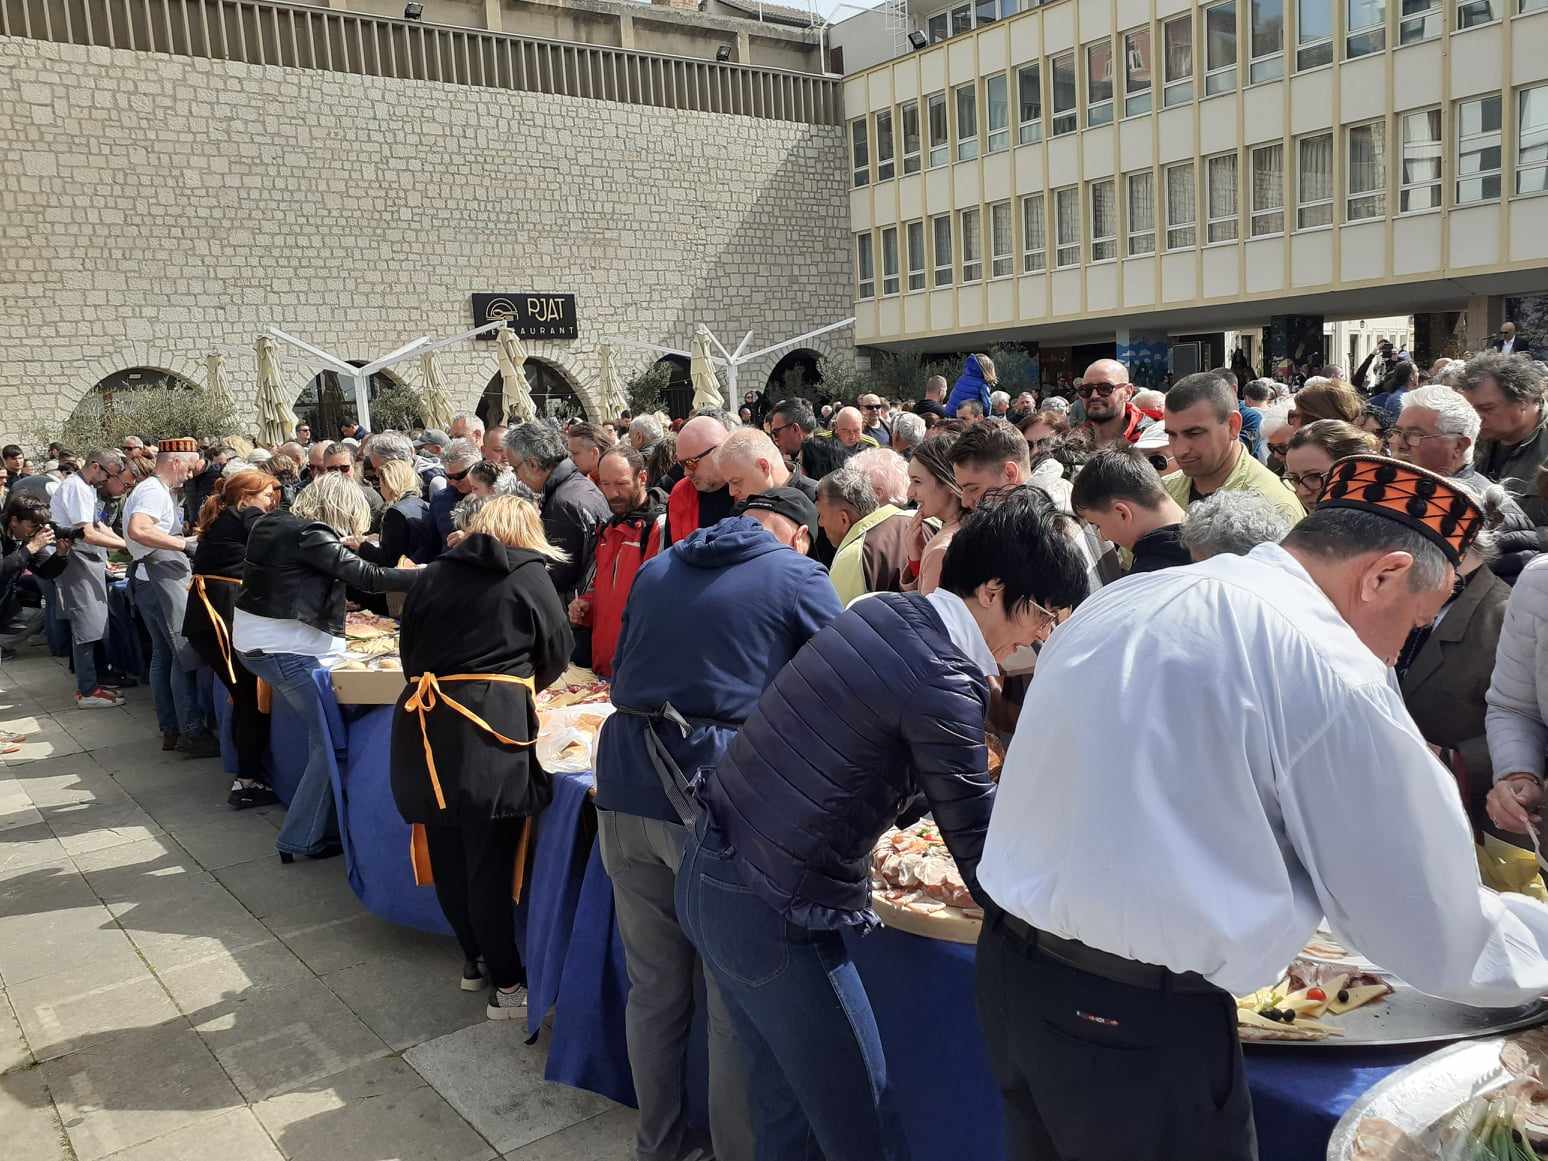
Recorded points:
(177, 445)
(1426, 502)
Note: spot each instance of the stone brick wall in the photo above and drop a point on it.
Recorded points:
(155, 209)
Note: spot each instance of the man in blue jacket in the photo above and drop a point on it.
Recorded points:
(708, 625)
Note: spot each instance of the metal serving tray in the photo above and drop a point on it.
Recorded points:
(1411, 1017)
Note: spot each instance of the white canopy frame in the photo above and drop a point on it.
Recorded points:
(733, 360)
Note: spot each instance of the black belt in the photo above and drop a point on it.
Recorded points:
(1093, 961)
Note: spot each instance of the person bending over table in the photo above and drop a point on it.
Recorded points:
(483, 634)
(225, 522)
(406, 526)
(289, 623)
(885, 703)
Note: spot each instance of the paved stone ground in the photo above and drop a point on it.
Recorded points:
(169, 991)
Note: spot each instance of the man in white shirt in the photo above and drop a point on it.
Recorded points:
(153, 527)
(82, 587)
(1251, 769)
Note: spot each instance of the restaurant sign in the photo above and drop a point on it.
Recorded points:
(531, 315)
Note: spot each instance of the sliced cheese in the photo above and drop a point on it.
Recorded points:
(1261, 1027)
(1358, 998)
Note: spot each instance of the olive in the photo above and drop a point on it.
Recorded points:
(1343, 995)
(1289, 1016)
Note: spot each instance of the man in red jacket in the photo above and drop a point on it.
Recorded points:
(627, 541)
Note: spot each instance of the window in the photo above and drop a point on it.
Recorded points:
(1532, 141)
(940, 137)
(908, 116)
(861, 150)
(1181, 208)
(1365, 27)
(1472, 13)
(1478, 150)
(889, 259)
(1314, 182)
(1313, 34)
(1104, 221)
(1034, 235)
(1268, 190)
(1533, 5)
(972, 245)
(1099, 83)
(1220, 48)
(865, 266)
(986, 12)
(916, 256)
(1066, 227)
(961, 19)
(967, 121)
(1177, 42)
(1064, 94)
(1002, 245)
(1420, 185)
(1419, 20)
(1367, 176)
(1221, 174)
(938, 27)
(1029, 97)
(1265, 40)
(941, 228)
(1142, 213)
(1136, 72)
(884, 146)
(997, 111)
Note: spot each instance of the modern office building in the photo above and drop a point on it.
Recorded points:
(1151, 174)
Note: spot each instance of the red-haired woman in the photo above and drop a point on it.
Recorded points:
(224, 522)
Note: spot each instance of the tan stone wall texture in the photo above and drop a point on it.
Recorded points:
(155, 209)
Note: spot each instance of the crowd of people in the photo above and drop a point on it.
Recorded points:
(1221, 627)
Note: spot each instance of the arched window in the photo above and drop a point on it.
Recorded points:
(99, 400)
(796, 373)
(553, 396)
(328, 401)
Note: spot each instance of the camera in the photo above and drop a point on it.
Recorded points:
(65, 531)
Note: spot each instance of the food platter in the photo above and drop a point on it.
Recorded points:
(916, 887)
(1411, 1017)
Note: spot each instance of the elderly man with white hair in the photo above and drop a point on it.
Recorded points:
(1232, 522)
(751, 463)
(908, 430)
(573, 507)
(888, 473)
(644, 432)
(999, 403)
(465, 426)
(460, 457)
(873, 537)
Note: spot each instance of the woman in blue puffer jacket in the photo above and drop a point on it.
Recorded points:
(978, 378)
(885, 704)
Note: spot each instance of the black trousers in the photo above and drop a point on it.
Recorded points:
(1094, 1070)
(474, 862)
(249, 728)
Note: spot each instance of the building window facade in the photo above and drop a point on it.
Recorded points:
(1268, 190)
(1420, 20)
(916, 256)
(1034, 235)
(940, 228)
(972, 245)
(908, 119)
(1365, 28)
(865, 267)
(1265, 40)
(1064, 99)
(940, 134)
(1314, 182)
(1532, 140)
(1104, 221)
(860, 152)
(1313, 34)
(1366, 176)
(1220, 48)
(1182, 207)
(1029, 104)
(967, 121)
(997, 111)
(1066, 227)
(1142, 212)
(1222, 197)
(1419, 187)
(1002, 241)
(1472, 13)
(1099, 83)
(1177, 47)
(885, 147)
(889, 248)
(1138, 72)
(1478, 150)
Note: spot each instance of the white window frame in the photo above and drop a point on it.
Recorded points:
(1029, 131)
(1100, 112)
(1428, 149)
(890, 282)
(961, 18)
(1267, 65)
(1066, 120)
(935, 33)
(865, 266)
(1221, 78)
(1103, 246)
(918, 256)
(1532, 6)
(1268, 220)
(998, 138)
(970, 228)
(860, 151)
(1223, 229)
(1034, 234)
(1313, 52)
(1313, 213)
(1478, 13)
(909, 111)
(1370, 37)
(967, 142)
(1138, 96)
(1479, 142)
(940, 237)
(1067, 246)
(1002, 262)
(1535, 168)
(1182, 233)
(1177, 90)
(1139, 188)
(1420, 20)
(886, 160)
(939, 151)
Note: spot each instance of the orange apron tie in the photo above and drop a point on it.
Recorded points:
(222, 634)
(427, 695)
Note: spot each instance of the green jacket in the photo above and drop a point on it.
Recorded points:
(1247, 476)
(873, 555)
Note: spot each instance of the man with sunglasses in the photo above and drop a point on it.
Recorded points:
(871, 408)
(701, 497)
(82, 586)
(460, 457)
(1110, 416)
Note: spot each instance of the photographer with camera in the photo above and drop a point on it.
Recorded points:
(28, 543)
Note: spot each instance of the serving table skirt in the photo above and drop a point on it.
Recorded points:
(126, 644)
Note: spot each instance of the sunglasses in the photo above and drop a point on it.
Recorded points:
(870, 407)
(458, 477)
(345, 468)
(1279, 449)
(691, 462)
(1105, 390)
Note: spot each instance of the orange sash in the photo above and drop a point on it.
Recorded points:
(222, 634)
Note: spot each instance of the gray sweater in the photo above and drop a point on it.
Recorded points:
(1517, 719)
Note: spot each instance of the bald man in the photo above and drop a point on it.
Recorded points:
(1110, 417)
(751, 463)
(701, 497)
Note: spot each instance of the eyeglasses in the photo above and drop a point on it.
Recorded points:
(458, 477)
(1310, 481)
(870, 407)
(1087, 390)
(1412, 435)
(774, 431)
(1279, 449)
(345, 468)
(689, 463)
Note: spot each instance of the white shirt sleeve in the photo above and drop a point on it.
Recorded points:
(1378, 825)
(73, 504)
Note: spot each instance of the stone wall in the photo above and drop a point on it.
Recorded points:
(155, 209)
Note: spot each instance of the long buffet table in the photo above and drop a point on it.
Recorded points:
(921, 989)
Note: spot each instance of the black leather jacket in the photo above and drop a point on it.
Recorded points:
(298, 572)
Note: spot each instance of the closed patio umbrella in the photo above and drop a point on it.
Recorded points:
(216, 388)
(516, 399)
(432, 393)
(276, 420)
(615, 398)
(701, 372)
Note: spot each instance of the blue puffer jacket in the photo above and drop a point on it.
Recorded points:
(969, 388)
(708, 624)
(880, 705)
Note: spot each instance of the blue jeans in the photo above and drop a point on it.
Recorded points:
(816, 1073)
(312, 819)
(175, 689)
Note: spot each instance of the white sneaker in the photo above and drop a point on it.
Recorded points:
(98, 698)
(507, 1005)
